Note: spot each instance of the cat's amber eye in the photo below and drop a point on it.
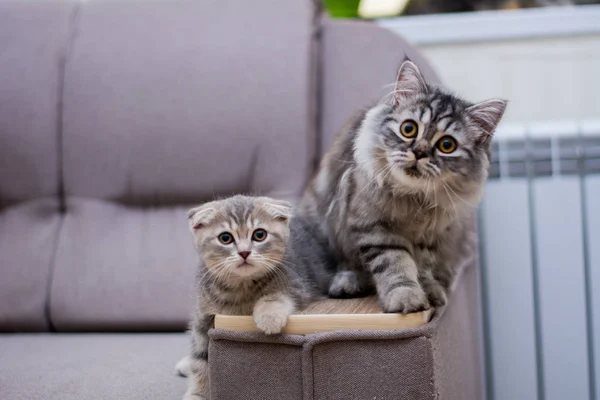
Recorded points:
(226, 238)
(447, 144)
(409, 128)
(259, 235)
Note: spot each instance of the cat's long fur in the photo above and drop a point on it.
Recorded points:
(392, 222)
(275, 285)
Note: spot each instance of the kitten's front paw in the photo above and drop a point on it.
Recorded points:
(436, 295)
(271, 322)
(405, 299)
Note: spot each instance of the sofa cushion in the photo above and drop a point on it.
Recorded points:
(30, 61)
(28, 235)
(123, 268)
(179, 101)
(91, 367)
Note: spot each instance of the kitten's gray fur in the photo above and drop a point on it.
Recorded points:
(396, 214)
(271, 286)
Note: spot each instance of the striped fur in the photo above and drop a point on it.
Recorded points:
(394, 222)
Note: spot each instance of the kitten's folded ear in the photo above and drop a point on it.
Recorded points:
(484, 117)
(278, 209)
(409, 82)
(199, 217)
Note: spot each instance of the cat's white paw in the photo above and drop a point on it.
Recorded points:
(271, 312)
(272, 321)
(184, 367)
(405, 299)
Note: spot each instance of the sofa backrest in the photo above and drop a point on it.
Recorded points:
(359, 64)
(33, 36)
(116, 117)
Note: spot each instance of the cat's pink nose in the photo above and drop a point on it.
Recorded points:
(244, 254)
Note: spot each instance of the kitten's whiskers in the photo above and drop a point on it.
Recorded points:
(450, 198)
(459, 197)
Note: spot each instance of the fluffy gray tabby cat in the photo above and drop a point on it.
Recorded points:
(248, 266)
(394, 197)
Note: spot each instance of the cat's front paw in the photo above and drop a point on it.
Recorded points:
(436, 295)
(271, 322)
(405, 299)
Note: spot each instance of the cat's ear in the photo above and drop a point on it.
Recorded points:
(484, 117)
(201, 216)
(279, 210)
(409, 82)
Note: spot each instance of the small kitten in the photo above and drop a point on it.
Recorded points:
(394, 197)
(246, 268)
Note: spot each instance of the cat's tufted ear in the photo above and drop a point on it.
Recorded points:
(484, 117)
(279, 210)
(199, 217)
(409, 82)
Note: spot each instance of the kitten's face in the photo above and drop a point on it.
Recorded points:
(427, 140)
(241, 237)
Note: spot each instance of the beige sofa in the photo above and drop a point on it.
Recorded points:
(115, 117)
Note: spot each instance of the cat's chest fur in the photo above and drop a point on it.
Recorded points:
(423, 220)
(420, 222)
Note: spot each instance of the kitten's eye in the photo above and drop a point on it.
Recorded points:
(446, 144)
(259, 235)
(226, 238)
(409, 128)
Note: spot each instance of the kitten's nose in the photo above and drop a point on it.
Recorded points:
(244, 254)
(420, 149)
(419, 153)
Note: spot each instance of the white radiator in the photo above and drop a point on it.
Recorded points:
(540, 246)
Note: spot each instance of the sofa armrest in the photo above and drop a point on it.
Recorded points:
(438, 360)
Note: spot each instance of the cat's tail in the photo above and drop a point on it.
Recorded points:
(184, 367)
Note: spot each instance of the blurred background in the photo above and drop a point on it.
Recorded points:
(540, 220)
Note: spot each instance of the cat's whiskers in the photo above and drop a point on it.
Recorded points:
(386, 172)
(375, 178)
(386, 98)
(269, 262)
(276, 266)
(210, 272)
(221, 274)
(343, 161)
(435, 205)
(275, 271)
(283, 262)
(459, 197)
(450, 198)
(433, 169)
